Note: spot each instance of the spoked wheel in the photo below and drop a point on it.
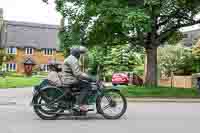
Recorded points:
(43, 108)
(112, 104)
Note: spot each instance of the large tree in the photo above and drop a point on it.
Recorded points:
(166, 17)
(155, 23)
(112, 22)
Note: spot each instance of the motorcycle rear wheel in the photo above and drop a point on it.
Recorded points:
(44, 111)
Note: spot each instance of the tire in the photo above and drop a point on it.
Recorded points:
(46, 114)
(100, 110)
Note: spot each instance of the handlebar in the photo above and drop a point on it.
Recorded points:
(97, 82)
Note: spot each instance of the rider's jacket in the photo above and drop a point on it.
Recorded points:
(71, 71)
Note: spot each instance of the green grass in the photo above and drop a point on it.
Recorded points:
(16, 82)
(129, 91)
(165, 92)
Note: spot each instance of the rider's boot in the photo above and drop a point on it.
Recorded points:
(81, 108)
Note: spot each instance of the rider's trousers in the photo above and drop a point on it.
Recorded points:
(84, 90)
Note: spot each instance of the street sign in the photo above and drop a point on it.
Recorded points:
(134, 3)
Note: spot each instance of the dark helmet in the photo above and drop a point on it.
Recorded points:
(83, 49)
(77, 51)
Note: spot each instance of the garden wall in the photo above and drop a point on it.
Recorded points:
(177, 81)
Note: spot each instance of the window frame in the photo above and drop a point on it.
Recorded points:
(48, 51)
(11, 50)
(45, 67)
(185, 36)
(29, 51)
(11, 67)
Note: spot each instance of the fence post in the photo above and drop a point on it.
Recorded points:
(172, 79)
(184, 82)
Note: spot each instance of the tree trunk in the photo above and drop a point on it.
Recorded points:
(151, 67)
(145, 66)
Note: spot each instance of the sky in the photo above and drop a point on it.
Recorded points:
(30, 11)
(37, 11)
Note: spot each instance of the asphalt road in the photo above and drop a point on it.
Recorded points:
(16, 116)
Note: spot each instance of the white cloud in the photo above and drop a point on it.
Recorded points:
(30, 11)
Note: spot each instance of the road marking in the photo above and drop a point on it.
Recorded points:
(7, 103)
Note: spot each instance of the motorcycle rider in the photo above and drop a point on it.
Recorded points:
(54, 75)
(72, 75)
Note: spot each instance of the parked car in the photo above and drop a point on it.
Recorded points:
(120, 79)
(125, 79)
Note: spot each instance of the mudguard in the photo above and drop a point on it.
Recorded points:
(112, 89)
(36, 91)
(116, 88)
(45, 88)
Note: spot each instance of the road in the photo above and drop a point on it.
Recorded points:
(16, 116)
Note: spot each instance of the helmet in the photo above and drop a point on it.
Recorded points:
(77, 51)
(83, 49)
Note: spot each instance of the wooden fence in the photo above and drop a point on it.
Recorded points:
(177, 81)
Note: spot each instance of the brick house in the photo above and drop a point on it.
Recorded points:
(190, 37)
(37, 42)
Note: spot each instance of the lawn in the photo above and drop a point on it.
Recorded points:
(16, 82)
(164, 92)
(129, 91)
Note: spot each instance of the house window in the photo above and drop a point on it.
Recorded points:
(11, 67)
(188, 44)
(12, 50)
(48, 51)
(185, 35)
(29, 51)
(45, 67)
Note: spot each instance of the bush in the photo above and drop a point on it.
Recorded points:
(139, 70)
(108, 78)
(176, 59)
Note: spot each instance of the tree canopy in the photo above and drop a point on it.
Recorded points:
(113, 22)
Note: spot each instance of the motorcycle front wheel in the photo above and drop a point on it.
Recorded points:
(111, 104)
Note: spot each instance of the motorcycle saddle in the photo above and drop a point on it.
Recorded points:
(72, 87)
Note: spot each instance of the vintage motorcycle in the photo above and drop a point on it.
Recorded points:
(50, 102)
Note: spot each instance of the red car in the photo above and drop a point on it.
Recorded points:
(120, 79)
